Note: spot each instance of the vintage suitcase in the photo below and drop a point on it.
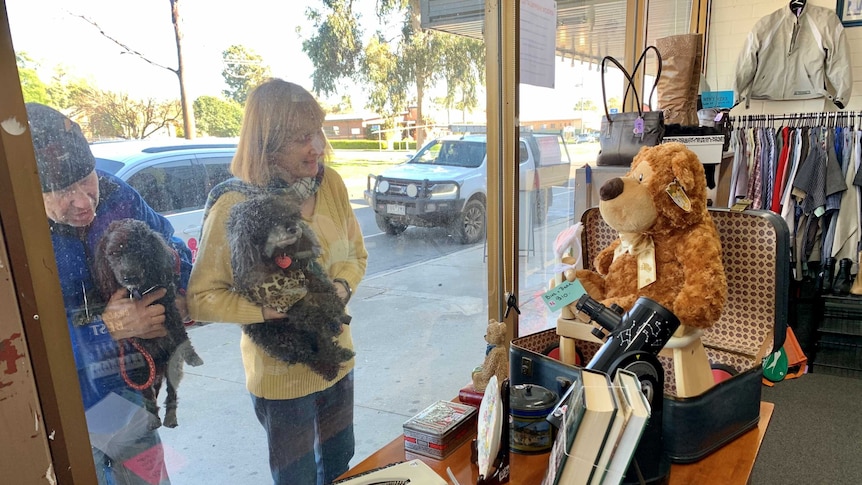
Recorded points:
(755, 254)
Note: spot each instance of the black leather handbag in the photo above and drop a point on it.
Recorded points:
(624, 134)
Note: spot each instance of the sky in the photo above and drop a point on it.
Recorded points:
(52, 33)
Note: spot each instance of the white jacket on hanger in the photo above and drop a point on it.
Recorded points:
(790, 58)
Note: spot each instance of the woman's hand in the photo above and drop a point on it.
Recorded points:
(342, 289)
(272, 314)
(126, 317)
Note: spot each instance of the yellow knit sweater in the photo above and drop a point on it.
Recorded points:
(210, 298)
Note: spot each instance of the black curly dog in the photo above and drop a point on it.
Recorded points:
(133, 256)
(270, 246)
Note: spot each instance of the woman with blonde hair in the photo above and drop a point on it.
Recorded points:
(282, 149)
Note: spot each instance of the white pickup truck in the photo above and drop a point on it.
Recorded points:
(445, 184)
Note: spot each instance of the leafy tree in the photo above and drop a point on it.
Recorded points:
(343, 106)
(584, 104)
(336, 48)
(388, 93)
(243, 70)
(463, 63)
(614, 103)
(33, 88)
(415, 60)
(218, 117)
(64, 89)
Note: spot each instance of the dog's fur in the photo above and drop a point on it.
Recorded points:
(260, 230)
(133, 256)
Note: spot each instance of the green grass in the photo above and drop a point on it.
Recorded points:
(360, 164)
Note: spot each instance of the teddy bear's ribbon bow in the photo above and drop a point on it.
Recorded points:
(641, 247)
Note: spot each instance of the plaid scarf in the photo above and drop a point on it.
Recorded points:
(298, 191)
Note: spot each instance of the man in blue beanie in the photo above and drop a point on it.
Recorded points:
(80, 202)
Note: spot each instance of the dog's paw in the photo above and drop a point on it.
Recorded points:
(154, 422)
(170, 420)
(343, 355)
(326, 368)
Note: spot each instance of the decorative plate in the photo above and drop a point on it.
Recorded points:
(490, 428)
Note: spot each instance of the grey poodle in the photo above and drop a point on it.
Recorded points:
(274, 260)
(131, 255)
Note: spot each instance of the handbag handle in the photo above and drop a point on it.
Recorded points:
(631, 84)
(635, 70)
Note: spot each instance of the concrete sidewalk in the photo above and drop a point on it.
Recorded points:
(418, 333)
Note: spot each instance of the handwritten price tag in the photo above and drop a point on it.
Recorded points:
(563, 294)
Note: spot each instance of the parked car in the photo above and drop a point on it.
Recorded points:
(445, 184)
(588, 138)
(173, 176)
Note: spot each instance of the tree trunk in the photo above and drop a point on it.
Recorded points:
(420, 93)
(416, 23)
(188, 114)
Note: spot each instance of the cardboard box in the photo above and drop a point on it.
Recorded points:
(708, 148)
(439, 429)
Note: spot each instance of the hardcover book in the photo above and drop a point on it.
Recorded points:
(614, 433)
(634, 403)
(568, 414)
(588, 417)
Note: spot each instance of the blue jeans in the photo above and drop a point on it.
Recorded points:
(310, 438)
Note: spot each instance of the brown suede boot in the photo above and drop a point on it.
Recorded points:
(681, 57)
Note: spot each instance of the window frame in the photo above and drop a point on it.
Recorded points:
(31, 256)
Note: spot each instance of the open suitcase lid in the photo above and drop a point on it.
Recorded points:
(756, 258)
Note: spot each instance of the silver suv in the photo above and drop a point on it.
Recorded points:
(174, 176)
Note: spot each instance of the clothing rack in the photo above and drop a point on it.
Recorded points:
(827, 118)
(772, 162)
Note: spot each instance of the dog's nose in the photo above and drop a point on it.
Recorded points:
(611, 189)
(131, 280)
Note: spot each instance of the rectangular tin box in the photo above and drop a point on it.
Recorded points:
(439, 429)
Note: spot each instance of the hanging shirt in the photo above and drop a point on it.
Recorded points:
(739, 174)
(755, 183)
(846, 233)
(781, 172)
(810, 183)
(789, 58)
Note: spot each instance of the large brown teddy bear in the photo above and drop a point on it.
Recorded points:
(661, 199)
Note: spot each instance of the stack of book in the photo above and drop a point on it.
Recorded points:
(601, 423)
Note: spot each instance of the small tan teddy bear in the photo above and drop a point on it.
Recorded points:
(496, 357)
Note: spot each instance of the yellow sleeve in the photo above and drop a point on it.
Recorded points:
(209, 294)
(348, 257)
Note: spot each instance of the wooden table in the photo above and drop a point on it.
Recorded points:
(731, 464)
